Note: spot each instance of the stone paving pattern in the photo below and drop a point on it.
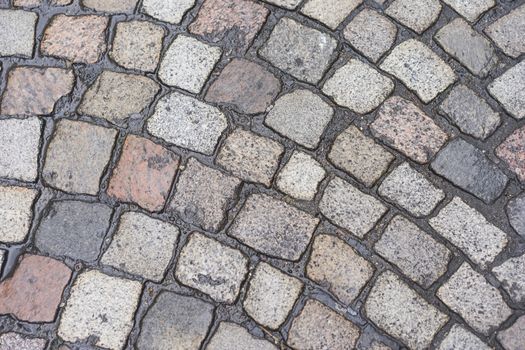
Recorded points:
(262, 174)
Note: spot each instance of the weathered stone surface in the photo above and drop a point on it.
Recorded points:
(287, 4)
(470, 9)
(507, 32)
(15, 341)
(118, 96)
(31, 90)
(467, 229)
(203, 195)
(144, 173)
(416, 15)
(337, 267)
(271, 295)
(469, 168)
(167, 10)
(187, 122)
(509, 90)
(137, 44)
(318, 327)
(513, 337)
(102, 307)
(348, 207)
(419, 68)
(416, 253)
(358, 86)
(74, 229)
(115, 6)
(516, 214)
(142, 246)
(273, 227)
(403, 313)
(17, 37)
(512, 276)
(61, 3)
(301, 116)
(480, 304)
(300, 177)
(512, 151)
(471, 113)
(300, 51)
(403, 126)
(329, 12)
(79, 39)
(212, 267)
(27, 3)
(15, 206)
(230, 336)
(77, 156)
(250, 157)
(245, 85)
(19, 148)
(459, 338)
(34, 290)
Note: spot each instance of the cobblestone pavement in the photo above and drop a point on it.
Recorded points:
(247, 174)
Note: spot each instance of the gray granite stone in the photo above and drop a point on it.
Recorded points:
(17, 36)
(516, 214)
(512, 276)
(507, 32)
(329, 12)
(167, 10)
(513, 337)
(509, 90)
(15, 341)
(16, 207)
(113, 6)
(459, 338)
(470, 9)
(416, 15)
(300, 177)
(230, 336)
(287, 4)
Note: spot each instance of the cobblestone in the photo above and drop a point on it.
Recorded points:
(509, 90)
(16, 207)
(329, 12)
(459, 338)
(15, 341)
(114, 6)
(512, 151)
(470, 9)
(300, 177)
(230, 336)
(507, 32)
(516, 214)
(417, 16)
(512, 275)
(167, 10)
(512, 338)
(18, 32)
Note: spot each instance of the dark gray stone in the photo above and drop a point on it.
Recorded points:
(516, 213)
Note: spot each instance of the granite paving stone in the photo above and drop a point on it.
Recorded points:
(513, 337)
(329, 12)
(167, 10)
(230, 336)
(17, 37)
(113, 6)
(416, 15)
(287, 4)
(512, 276)
(509, 90)
(470, 9)
(16, 207)
(300, 177)
(507, 32)
(459, 338)
(16, 341)
(27, 3)
(516, 213)
(61, 3)
(512, 151)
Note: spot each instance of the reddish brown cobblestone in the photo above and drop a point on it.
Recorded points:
(512, 151)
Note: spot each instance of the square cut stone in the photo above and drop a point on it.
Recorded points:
(509, 90)
(203, 195)
(467, 229)
(416, 253)
(77, 156)
(512, 275)
(358, 86)
(411, 190)
(102, 307)
(230, 336)
(349, 208)
(329, 12)
(360, 156)
(397, 309)
(19, 148)
(507, 32)
(15, 341)
(113, 6)
(470, 9)
(416, 15)
(16, 207)
(273, 227)
(419, 68)
(459, 338)
(212, 268)
(301, 116)
(17, 36)
(301, 51)
(300, 177)
(250, 157)
(479, 303)
(513, 337)
(516, 213)
(187, 63)
(336, 266)
(187, 122)
(271, 295)
(512, 151)
(142, 246)
(167, 10)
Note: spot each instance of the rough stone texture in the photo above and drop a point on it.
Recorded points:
(142, 246)
(230, 336)
(167, 10)
(287, 4)
(301, 116)
(459, 338)
(471, 113)
(15, 341)
(187, 122)
(371, 34)
(507, 32)
(403, 126)
(115, 6)
(318, 327)
(480, 304)
(15, 206)
(27, 3)
(509, 90)
(187, 63)
(348, 207)
(118, 96)
(17, 37)
(34, 290)
(102, 307)
(411, 190)
(300, 51)
(271, 295)
(516, 214)
(31, 90)
(512, 275)
(144, 173)
(467, 229)
(62, 3)
(230, 21)
(416, 253)
(402, 313)
(245, 85)
(77, 156)
(329, 12)
(137, 45)
(470, 9)
(175, 322)
(512, 151)
(74, 229)
(416, 15)
(75, 38)
(19, 148)
(273, 227)
(212, 268)
(337, 267)
(358, 86)
(513, 337)
(300, 177)
(469, 168)
(203, 195)
(360, 156)
(250, 157)
(419, 68)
